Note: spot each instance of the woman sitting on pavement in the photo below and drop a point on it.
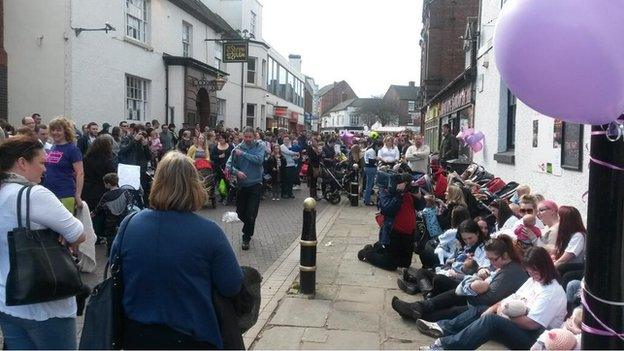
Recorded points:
(569, 253)
(505, 218)
(507, 278)
(454, 197)
(432, 283)
(542, 296)
(547, 212)
(439, 248)
(170, 271)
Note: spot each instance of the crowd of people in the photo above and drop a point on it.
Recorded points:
(502, 268)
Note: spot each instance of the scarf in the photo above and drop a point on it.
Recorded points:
(16, 178)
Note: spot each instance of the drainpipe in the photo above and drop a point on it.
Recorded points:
(167, 94)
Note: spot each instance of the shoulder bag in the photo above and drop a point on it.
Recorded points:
(103, 322)
(41, 269)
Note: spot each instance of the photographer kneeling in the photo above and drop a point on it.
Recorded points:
(397, 222)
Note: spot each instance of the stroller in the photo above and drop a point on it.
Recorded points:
(336, 181)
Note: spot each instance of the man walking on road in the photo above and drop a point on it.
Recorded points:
(246, 162)
(449, 146)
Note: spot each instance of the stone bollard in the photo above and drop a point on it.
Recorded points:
(354, 186)
(307, 261)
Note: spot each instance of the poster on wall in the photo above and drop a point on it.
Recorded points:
(572, 151)
(557, 133)
(535, 132)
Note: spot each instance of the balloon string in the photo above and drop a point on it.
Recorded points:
(605, 164)
(607, 330)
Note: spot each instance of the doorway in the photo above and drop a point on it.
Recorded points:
(203, 109)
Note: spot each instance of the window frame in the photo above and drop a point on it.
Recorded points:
(187, 39)
(253, 20)
(218, 56)
(512, 105)
(250, 117)
(137, 86)
(252, 72)
(142, 30)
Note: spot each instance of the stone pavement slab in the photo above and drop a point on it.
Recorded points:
(302, 312)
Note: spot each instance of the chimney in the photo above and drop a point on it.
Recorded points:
(295, 61)
(412, 83)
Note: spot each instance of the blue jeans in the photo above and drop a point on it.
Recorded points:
(457, 324)
(572, 290)
(52, 334)
(491, 327)
(370, 172)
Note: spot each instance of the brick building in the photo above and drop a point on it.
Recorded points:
(404, 99)
(333, 94)
(442, 57)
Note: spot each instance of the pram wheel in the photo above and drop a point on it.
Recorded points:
(333, 197)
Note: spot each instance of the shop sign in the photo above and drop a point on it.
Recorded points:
(235, 52)
(433, 111)
(280, 111)
(458, 100)
(294, 116)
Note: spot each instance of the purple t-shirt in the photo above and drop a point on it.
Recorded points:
(59, 175)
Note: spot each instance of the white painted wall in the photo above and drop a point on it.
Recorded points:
(34, 38)
(491, 119)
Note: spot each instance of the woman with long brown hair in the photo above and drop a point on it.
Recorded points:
(98, 161)
(569, 252)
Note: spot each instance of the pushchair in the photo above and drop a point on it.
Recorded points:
(335, 181)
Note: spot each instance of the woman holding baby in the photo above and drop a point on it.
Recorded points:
(543, 306)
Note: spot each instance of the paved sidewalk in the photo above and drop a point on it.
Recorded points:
(352, 305)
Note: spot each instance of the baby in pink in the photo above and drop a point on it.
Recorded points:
(528, 221)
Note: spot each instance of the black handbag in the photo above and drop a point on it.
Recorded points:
(41, 269)
(103, 321)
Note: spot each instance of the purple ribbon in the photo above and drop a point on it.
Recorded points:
(607, 331)
(606, 164)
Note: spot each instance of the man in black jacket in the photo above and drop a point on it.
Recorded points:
(86, 140)
(449, 146)
(136, 152)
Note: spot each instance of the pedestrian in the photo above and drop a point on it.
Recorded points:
(37, 118)
(105, 128)
(417, 156)
(155, 145)
(64, 170)
(449, 146)
(29, 123)
(274, 165)
(220, 153)
(163, 262)
(91, 132)
(370, 170)
(313, 151)
(47, 325)
(116, 134)
(137, 153)
(289, 170)
(166, 139)
(246, 163)
(185, 142)
(389, 154)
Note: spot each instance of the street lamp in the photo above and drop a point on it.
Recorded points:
(217, 84)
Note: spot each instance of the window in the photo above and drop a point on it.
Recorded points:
(251, 114)
(251, 70)
(252, 23)
(220, 109)
(137, 19)
(187, 39)
(136, 98)
(354, 121)
(511, 120)
(572, 146)
(263, 71)
(411, 106)
(218, 56)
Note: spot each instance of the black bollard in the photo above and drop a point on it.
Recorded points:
(354, 187)
(307, 261)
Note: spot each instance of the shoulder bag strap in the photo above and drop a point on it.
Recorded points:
(117, 259)
(19, 207)
(28, 207)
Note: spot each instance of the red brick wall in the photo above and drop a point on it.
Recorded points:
(339, 93)
(442, 55)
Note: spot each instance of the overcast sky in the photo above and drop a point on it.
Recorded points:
(370, 44)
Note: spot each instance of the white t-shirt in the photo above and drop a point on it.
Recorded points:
(546, 303)
(46, 211)
(576, 246)
(389, 155)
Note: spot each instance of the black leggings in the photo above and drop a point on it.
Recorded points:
(139, 336)
(446, 305)
(441, 283)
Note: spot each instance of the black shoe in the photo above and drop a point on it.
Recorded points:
(291, 196)
(409, 275)
(428, 329)
(245, 245)
(405, 309)
(408, 288)
(425, 286)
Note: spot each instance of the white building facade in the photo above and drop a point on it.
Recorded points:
(155, 65)
(521, 144)
(343, 117)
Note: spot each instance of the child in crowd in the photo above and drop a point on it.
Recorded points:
(528, 222)
(155, 146)
(520, 190)
(274, 165)
(470, 266)
(113, 205)
(515, 208)
(430, 216)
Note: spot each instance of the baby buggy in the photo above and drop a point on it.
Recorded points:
(336, 181)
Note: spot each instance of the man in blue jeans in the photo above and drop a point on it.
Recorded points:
(246, 162)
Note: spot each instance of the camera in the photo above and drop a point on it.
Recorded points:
(390, 179)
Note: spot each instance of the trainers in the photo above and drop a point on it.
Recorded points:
(408, 288)
(437, 345)
(245, 245)
(430, 329)
(405, 309)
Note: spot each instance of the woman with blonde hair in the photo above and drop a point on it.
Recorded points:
(64, 171)
(454, 197)
(174, 267)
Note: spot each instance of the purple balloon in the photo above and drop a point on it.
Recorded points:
(476, 147)
(560, 65)
(474, 138)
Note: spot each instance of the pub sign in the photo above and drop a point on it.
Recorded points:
(235, 52)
